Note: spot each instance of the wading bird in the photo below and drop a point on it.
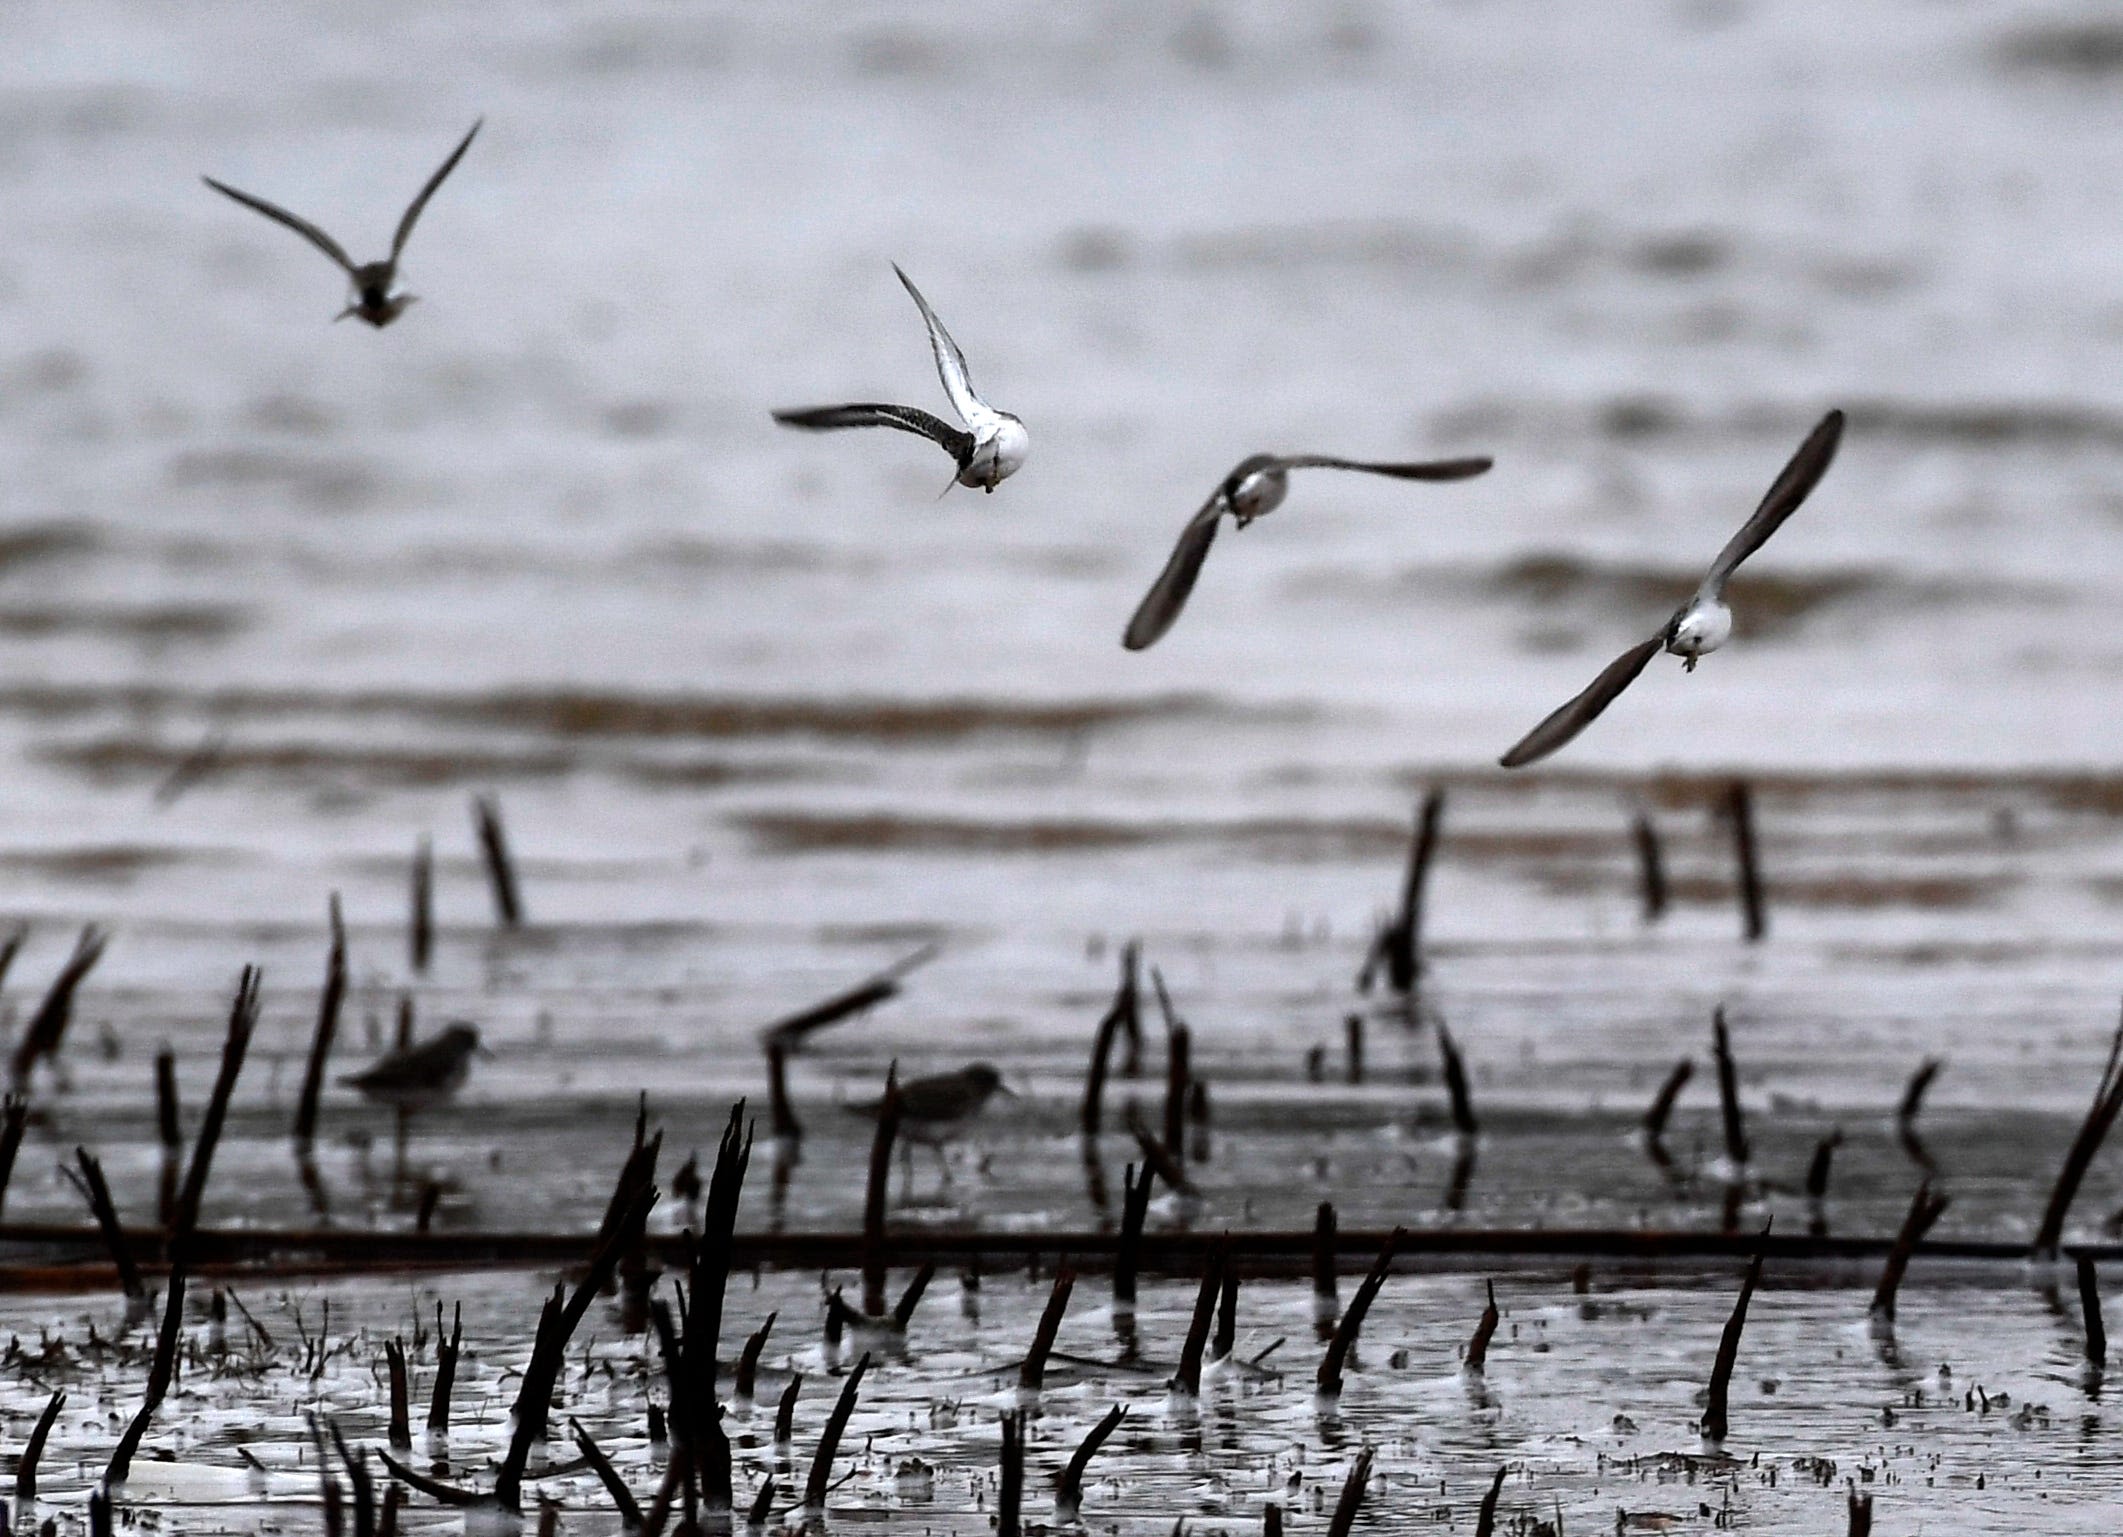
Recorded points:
(424, 1075)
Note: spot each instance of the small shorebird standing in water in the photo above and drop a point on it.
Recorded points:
(374, 300)
(422, 1076)
(990, 448)
(1702, 623)
(1255, 488)
(938, 1109)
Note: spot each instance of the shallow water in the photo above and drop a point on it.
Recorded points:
(766, 715)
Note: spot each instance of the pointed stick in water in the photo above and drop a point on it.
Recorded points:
(446, 1351)
(1337, 1356)
(1924, 1210)
(791, 1032)
(1661, 1110)
(42, 1037)
(615, 1487)
(748, 1358)
(10, 947)
(1271, 1520)
(1729, 1094)
(169, 1125)
(874, 1196)
(243, 1019)
(159, 1373)
(97, 1192)
(1817, 1172)
(1127, 1250)
(1158, 1157)
(1188, 1379)
(400, 1430)
(762, 1505)
(1353, 1045)
(1325, 1265)
(1226, 1337)
(1069, 1490)
(785, 1411)
(1714, 1413)
(1122, 1017)
(1178, 1049)
(1352, 1498)
(26, 1470)
(1403, 940)
(2090, 1310)
(1906, 1114)
(910, 1299)
(1860, 1513)
(420, 929)
(1650, 866)
(782, 1112)
(2107, 1105)
(829, 1440)
(1739, 806)
(1484, 1331)
(1463, 1120)
(1010, 1482)
(14, 1120)
(1032, 1373)
(328, 1005)
(501, 870)
(1485, 1518)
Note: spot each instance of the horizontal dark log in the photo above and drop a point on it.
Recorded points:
(50, 1257)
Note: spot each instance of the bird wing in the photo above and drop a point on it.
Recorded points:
(1792, 487)
(295, 222)
(950, 362)
(867, 413)
(1168, 594)
(1582, 711)
(412, 212)
(1429, 469)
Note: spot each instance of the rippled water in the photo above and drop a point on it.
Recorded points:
(766, 715)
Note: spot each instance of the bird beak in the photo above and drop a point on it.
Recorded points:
(1004, 1088)
(351, 309)
(482, 1053)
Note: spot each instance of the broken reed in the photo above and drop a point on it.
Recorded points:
(875, 1195)
(328, 1006)
(1715, 1409)
(1352, 1496)
(1735, 1125)
(1032, 1374)
(821, 1479)
(1135, 1208)
(501, 869)
(1069, 1489)
(1188, 1379)
(1924, 1210)
(243, 1020)
(1463, 1120)
(1739, 809)
(1122, 1017)
(1404, 937)
(1484, 1331)
(2100, 1117)
(160, 1371)
(420, 927)
(1329, 1381)
(42, 1037)
(1650, 865)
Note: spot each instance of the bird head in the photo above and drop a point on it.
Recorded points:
(998, 455)
(985, 1080)
(463, 1039)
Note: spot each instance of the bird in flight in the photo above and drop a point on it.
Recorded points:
(988, 450)
(423, 1075)
(1703, 622)
(1255, 488)
(374, 300)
